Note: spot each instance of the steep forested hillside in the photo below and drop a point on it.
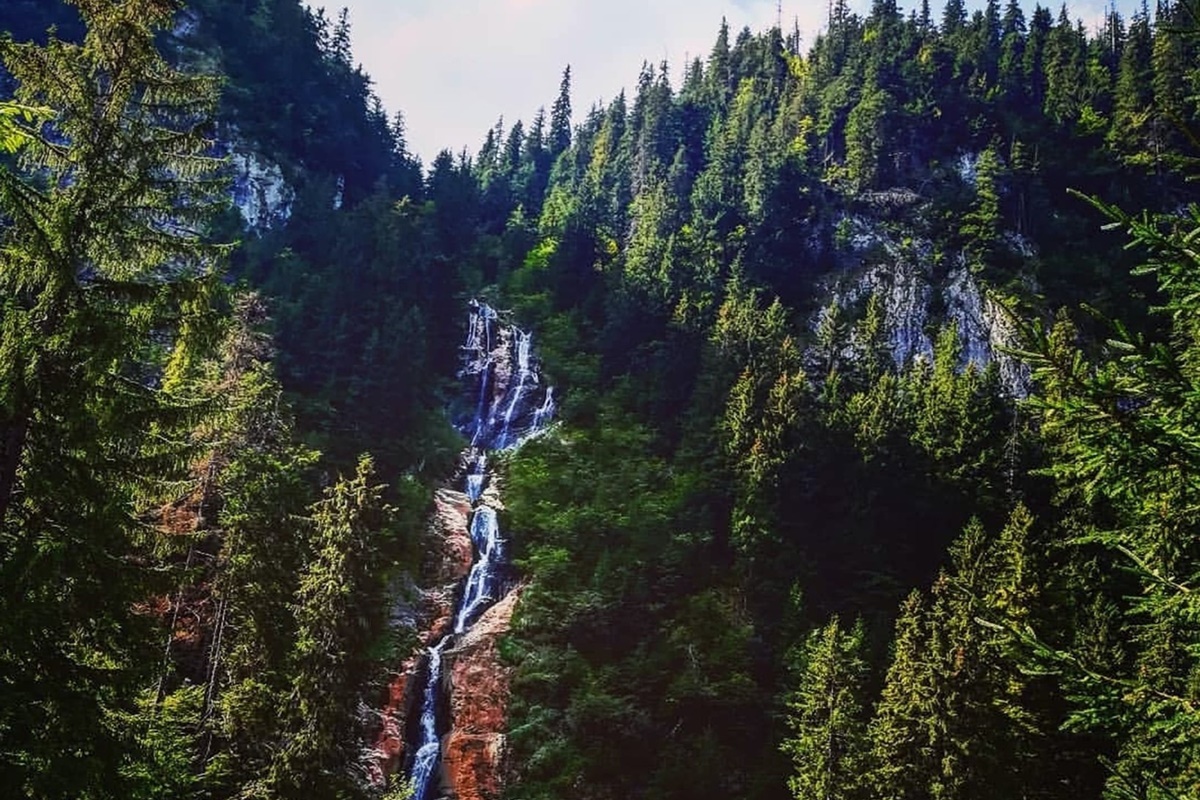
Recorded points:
(195, 597)
(802, 528)
(875, 470)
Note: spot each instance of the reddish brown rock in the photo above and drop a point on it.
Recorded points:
(389, 742)
(450, 530)
(477, 682)
(450, 560)
(471, 765)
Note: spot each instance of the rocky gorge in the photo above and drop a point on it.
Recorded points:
(443, 721)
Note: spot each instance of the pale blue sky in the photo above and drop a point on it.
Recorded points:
(455, 66)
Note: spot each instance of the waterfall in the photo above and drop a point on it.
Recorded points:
(543, 413)
(489, 356)
(476, 478)
(524, 342)
(483, 585)
(427, 756)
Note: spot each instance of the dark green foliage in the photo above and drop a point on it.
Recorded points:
(626, 630)
(105, 309)
(821, 463)
(1121, 425)
(151, 486)
(339, 610)
(295, 92)
(724, 450)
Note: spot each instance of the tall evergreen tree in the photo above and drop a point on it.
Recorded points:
(828, 742)
(106, 289)
(954, 18)
(1123, 429)
(560, 117)
(339, 611)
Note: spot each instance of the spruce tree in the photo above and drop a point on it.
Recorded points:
(340, 611)
(1123, 428)
(105, 301)
(825, 714)
(560, 117)
(901, 760)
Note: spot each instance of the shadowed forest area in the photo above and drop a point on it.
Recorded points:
(876, 462)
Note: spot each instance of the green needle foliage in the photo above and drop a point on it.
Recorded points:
(1127, 449)
(723, 449)
(827, 718)
(105, 302)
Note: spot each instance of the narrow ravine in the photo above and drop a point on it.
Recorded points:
(509, 407)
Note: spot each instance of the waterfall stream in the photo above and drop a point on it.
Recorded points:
(507, 412)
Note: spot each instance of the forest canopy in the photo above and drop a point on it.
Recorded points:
(876, 464)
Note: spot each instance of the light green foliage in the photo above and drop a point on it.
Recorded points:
(106, 287)
(982, 225)
(954, 720)
(163, 762)
(339, 612)
(1123, 428)
(827, 718)
(15, 120)
(866, 133)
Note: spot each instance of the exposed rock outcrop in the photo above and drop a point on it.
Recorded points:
(260, 191)
(903, 272)
(477, 683)
(450, 560)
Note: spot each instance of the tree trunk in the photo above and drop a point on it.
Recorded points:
(13, 434)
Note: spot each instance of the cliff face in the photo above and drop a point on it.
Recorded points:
(920, 292)
(474, 679)
(450, 559)
(477, 683)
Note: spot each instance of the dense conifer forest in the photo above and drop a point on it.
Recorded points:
(876, 471)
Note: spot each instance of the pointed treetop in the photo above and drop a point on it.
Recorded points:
(560, 116)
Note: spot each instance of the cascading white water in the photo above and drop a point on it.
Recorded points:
(543, 413)
(483, 583)
(524, 343)
(476, 478)
(427, 756)
(478, 354)
(486, 581)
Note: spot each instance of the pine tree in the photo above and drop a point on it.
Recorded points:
(866, 134)
(953, 721)
(1012, 52)
(901, 761)
(1065, 69)
(718, 73)
(982, 223)
(106, 289)
(560, 117)
(339, 613)
(1132, 96)
(1123, 431)
(825, 714)
(257, 480)
(954, 18)
(1170, 60)
(1034, 62)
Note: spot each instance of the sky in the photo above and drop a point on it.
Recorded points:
(456, 66)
